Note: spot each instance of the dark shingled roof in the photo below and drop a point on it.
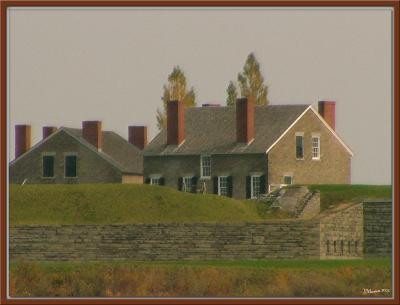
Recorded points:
(116, 150)
(212, 130)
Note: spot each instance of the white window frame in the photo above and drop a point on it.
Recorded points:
(318, 156)
(202, 166)
(252, 180)
(184, 184)
(155, 180)
(299, 134)
(72, 154)
(50, 154)
(220, 179)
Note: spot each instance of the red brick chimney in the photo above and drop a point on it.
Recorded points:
(244, 120)
(91, 131)
(175, 122)
(22, 139)
(48, 130)
(327, 110)
(137, 135)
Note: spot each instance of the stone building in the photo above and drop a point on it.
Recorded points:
(87, 155)
(247, 150)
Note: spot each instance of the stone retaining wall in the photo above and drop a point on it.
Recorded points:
(278, 239)
(378, 228)
(342, 233)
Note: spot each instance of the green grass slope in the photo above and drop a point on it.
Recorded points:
(333, 194)
(121, 204)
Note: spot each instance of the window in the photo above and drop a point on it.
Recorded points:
(255, 186)
(205, 164)
(315, 148)
(187, 184)
(287, 180)
(48, 166)
(155, 181)
(70, 166)
(223, 185)
(299, 147)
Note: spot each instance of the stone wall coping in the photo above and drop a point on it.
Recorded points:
(378, 200)
(177, 224)
(339, 209)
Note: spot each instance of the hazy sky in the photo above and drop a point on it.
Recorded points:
(70, 65)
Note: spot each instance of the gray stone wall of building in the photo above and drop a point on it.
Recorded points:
(236, 166)
(333, 167)
(377, 228)
(342, 233)
(265, 240)
(91, 168)
(171, 168)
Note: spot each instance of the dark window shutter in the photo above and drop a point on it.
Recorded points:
(299, 147)
(248, 187)
(262, 184)
(70, 166)
(147, 181)
(48, 166)
(161, 181)
(215, 185)
(180, 183)
(230, 186)
(194, 185)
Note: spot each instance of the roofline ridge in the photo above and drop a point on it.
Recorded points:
(125, 140)
(102, 154)
(37, 145)
(322, 120)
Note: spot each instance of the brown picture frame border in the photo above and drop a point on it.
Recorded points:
(5, 4)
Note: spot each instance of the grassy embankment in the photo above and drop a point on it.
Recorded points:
(122, 203)
(332, 195)
(340, 278)
(118, 203)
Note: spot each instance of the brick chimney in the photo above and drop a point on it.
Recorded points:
(327, 110)
(91, 131)
(175, 122)
(137, 135)
(22, 139)
(48, 130)
(244, 120)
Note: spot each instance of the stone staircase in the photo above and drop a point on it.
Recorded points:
(307, 206)
(298, 201)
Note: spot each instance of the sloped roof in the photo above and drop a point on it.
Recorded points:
(116, 150)
(212, 130)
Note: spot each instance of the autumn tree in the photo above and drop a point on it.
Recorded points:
(251, 81)
(232, 94)
(175, 89)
